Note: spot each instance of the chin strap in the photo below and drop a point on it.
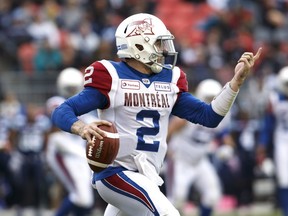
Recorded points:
(156, 68)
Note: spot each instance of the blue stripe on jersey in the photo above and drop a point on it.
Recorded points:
(109, 171)
(126, 72)
(122, 184)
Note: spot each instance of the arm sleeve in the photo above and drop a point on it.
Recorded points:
(67, 113)
(196, 111)
(222, 103)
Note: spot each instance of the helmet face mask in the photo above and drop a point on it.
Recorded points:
(164, 45)
(145, 38)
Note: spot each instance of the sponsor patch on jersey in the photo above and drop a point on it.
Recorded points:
(146, 81)
(130, 84)
(159, 86)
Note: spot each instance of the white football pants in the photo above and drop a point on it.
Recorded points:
(130, 193)
(202, 175)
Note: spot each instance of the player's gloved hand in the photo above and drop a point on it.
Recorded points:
(224, 152)
(267, 167)
(264, 164)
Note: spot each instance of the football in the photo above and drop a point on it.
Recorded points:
(101, 153)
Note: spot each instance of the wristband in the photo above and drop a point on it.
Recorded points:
(222, 103)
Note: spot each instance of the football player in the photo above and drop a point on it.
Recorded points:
(275, 131)
(189, 146)
(138, 94)
(28, 136)
(66, 152)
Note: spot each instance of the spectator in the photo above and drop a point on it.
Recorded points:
(41, 28)
(85, 42)
(71, 15)
(47, 58)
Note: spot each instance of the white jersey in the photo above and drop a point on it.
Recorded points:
(194, 141)
(67, 158)
(137, 101)
(69, 144)
(280, 111)
(188, 149)
(66, 143)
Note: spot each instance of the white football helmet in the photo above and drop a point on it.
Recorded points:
(208, 89)
(136, 38)
(69, 82)
(283, 80)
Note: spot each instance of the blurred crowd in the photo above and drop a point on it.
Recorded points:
(39, 36)
(46, 36)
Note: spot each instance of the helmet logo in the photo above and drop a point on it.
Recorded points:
(141, 27)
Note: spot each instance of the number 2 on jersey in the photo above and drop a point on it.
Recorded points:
(148, 131)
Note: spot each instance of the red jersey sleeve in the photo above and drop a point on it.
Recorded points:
(97, 76)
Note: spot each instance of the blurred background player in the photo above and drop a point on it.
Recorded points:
(66, 152)
(275, 132)
(28, 137)
(189, 147)
(10, 109)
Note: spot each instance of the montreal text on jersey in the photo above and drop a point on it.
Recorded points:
(146, 100)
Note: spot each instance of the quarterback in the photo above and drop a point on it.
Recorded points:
(138, 94)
